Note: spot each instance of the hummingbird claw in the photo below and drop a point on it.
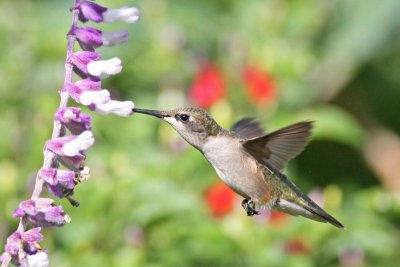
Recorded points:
(249, 206)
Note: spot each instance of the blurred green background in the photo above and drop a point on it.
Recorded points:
(154, 201)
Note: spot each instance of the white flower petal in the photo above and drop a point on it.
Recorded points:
(94, 97)
(80, 143)
(84, 174)
(120, 108)
(39, 259)
(105, 68)
(124, 14)
(114, 37)
(68, 114)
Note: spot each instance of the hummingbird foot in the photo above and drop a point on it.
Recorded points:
(249, 206)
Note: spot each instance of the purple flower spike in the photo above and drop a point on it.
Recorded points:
(42, 212)
(80, 61)
(21, 245)
(88, 38)
(70, 146)
(76, 121)
(58, 181)
(114, 37)
(90, 11)
(71, 135)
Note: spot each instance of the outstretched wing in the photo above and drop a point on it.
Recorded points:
(248, 128)
(278, 147)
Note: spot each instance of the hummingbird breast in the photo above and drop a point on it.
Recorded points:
(239, 170)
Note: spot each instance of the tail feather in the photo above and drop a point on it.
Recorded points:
(295, 202)
(311, 211)
(320, 213)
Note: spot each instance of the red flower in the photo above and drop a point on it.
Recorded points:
(220, 198)
(296, 246)
(259, 85)
(278, 218)
(208, 86)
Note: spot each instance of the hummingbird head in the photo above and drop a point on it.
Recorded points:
(193, 124)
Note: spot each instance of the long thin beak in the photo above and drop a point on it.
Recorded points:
(154, 113)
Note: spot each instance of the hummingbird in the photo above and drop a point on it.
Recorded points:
(248, 160)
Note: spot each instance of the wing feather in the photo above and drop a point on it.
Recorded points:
(248, 128)
(278, 147)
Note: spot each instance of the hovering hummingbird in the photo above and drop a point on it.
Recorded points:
(248, 160)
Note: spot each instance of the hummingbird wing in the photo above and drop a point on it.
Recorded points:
(248, 128)
(277, 148)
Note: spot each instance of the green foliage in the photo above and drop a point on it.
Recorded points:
(335, 62)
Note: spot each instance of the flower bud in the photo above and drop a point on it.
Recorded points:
(90, 11)
(41, 212)
(57, 181)
(76, 121)
(88, 38)
(21, 245)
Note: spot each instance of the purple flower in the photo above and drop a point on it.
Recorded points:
(58, 182)
(76, 121)
(96, 13)
(88, 38)
(66, 157)
(41, 212)
(74, 163)
(90, 11)
(86, 97)
(87, 64)
(12, 245)
(120, 108)
(80, 61)
(72, 145)
(22, 244)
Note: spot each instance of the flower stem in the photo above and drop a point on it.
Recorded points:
(50, 157)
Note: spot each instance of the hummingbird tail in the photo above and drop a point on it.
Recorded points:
(321, 214)
(295, 202)
(309, 210)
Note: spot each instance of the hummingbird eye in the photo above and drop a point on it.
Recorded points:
(184, 117)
